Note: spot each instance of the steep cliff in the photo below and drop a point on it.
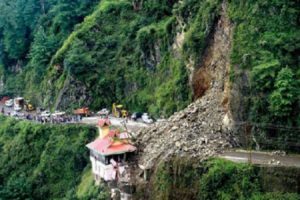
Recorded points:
(205, 127)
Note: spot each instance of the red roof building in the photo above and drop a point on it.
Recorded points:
(108, 155)
(110, 146)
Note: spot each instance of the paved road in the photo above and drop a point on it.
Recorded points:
(131, 125)
(11, 109)
(262, 158)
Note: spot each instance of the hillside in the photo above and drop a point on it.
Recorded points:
(150, 56)
(185, 179)
(33, 158)
(218, 74)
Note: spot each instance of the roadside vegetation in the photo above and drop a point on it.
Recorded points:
(266, 43)
(45, 161)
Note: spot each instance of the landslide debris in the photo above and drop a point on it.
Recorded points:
(205, 127)
(201, 131)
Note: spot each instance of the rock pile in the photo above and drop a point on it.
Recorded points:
(201, 130)
(205, 128)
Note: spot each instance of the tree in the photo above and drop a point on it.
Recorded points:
(285, 94)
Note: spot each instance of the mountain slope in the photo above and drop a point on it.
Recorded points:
(149, 56)
(124, 55)
(205, 127)
(44, 161)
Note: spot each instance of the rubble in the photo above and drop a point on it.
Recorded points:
(205, 127)
(188, 134)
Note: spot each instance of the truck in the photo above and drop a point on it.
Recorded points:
(119, 111)
(82, 111)
(18, 103)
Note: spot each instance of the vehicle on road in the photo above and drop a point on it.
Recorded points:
(18, 103)
(136, 115)
(119, 111)
(142, 117)
(82, 112)
(147, 119)
(46, 113)
(103, 112)
(29, 107)
(58, 113)
(9, 103)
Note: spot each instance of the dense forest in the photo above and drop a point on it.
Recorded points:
(33, 158)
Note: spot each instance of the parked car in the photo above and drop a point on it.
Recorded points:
(103, 112)
(46, 113)
(19, 103)
(136, 115)
(147, 119)
(58, 113)
(9, 103)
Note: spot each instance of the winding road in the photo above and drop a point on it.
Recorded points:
(261, 158)
(239, 156)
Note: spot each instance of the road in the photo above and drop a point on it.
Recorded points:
(11, 110)
(131, 125)
(118, 122)
(262, 158)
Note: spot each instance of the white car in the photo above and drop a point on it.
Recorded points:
(147, 119)
(58, 113)
(46, 114)
(9, 103)
(104, 111)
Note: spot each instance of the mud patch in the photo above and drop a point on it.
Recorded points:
(201, 82)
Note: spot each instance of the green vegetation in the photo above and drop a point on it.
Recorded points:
(123, 51)
(118, 53)
(267, 43)
(220, 179)
(30, 33)
(124, 56)
(45, 161)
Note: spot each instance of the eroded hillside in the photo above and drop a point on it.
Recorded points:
(205, 127)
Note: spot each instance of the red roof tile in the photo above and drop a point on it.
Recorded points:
(107, 146)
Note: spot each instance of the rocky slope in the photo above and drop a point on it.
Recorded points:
(205, 127)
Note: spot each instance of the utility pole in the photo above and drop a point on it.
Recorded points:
(248, 128)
